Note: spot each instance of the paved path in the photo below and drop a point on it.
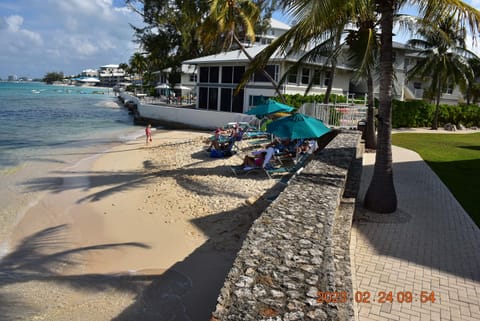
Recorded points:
(428, 244)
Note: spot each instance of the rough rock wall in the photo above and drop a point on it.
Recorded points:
(294, 263)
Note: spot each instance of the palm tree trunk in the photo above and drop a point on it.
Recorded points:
(370, 138)
(267, 75)
(381, 196)
(328, 91)
(437, 105)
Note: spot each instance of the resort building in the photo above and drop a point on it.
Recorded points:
(90, 73)
(110, 75)
(219, 75)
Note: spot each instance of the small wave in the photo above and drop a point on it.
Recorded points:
(11, 170)
(108, 104)
(4, 248)
(131, 136)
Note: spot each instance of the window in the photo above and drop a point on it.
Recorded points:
(214, 74)
(227, 74)
(326, 80)
(209, 74)
(305, 76)
(292, 77)
(272, 70)
(203, 98)
(193, 77)
(226, 99)
(237, 103)
(238, 72)
(316, 77)
(449, 90)
(212, 98)
(260, 76)
(417, 85)
(257, 100)
(203, 74)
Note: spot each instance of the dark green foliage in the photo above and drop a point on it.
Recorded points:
(51, 77)
(420, 114)
(412, 114)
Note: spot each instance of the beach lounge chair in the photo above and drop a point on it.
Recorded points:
(241, 170)
(226, 152)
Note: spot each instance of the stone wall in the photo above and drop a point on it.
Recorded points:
(299, 246)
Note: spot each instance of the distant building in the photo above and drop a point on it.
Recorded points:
(12, 78)
(90, 73)
(110, 75)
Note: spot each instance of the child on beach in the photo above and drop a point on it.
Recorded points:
(148, 133)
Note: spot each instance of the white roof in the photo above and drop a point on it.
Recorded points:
(230, 56)
(88, 79)
(110, 66)
(238, 57)
(277, 24)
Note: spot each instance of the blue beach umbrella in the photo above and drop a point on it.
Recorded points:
(297, 126)
(270, 107)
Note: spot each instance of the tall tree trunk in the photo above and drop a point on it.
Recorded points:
(250, 58)
(370, 137)
(328, 91)
(381, 196)
(437, 105)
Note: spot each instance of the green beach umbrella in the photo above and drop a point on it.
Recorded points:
(297, 126)
(270, 107)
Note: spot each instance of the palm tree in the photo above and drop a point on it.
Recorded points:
(138, 65)
(444, 58)
(315, 17)
(229, 21)
(363, 42)
(363, 48)
(320, 34)
(381, 196)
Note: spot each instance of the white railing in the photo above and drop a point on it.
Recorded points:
(336, 115)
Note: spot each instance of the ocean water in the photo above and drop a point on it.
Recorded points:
(44, 128)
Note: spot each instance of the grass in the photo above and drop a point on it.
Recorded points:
(455, 158)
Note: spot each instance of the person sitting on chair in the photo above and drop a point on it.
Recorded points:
(256, 160)
(215, 143)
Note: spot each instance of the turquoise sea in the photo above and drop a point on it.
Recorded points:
(48, 127)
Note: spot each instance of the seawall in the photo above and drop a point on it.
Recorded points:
(294, 263)
(182, 117)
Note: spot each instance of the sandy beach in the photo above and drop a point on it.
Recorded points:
(137, 233)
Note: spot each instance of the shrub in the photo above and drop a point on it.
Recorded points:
(420, 114)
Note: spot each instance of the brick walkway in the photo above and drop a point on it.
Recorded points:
(428, 244)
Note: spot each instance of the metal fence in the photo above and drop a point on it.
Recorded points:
(336, 115)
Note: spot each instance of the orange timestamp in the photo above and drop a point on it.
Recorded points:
(379, 297)
(399, 297)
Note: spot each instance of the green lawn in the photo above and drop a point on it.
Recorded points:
(455, 158)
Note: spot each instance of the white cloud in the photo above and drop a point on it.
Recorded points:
(58, 35)
(14, 22)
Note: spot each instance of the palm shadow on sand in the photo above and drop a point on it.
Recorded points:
(41, 257)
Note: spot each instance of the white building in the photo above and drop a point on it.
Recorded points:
(219, 75)
(110, 75)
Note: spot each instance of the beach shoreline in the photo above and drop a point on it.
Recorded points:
(137, 223)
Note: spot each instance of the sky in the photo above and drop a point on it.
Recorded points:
(41, 36)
